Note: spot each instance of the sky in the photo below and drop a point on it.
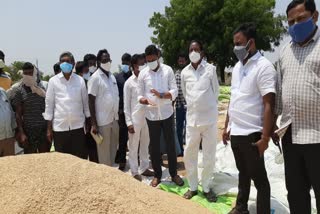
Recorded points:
(40, 30)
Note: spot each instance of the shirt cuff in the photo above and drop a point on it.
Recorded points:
(267, 91)
(87, 113)
(173, 97)
(129, 123)
(139, 98)
(47, 116)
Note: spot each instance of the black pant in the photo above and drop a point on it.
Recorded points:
(251, 166)
(123, 140)
(92, 148)
(71, 142)
(302, 172)
(155, 128)
(181, 125)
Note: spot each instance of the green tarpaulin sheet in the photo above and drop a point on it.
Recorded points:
(222, 206)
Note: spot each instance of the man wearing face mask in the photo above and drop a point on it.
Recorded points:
(29, 104)
(121, 78)
(250, 117)
(136, 122)
(157, 89)
(83, 70)
(67, 109)
(200, 87)
(298, 101)
(5, 80)
(180, 103)
(104, 105)
(91, 59)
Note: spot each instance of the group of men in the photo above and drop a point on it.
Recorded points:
(137, 105)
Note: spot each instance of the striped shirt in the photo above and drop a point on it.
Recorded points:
(298, 96)
(180, 101)
(33, 106)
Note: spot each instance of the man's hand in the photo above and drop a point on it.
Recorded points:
(225, 136)
(145, 101)
(49, 135)
(262, 145)
(22, 138)
(131, 129)
(94, 129)
(275, 137)
(155, 93)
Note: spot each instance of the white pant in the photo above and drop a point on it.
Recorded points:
(108, 148)
(208, 134)
(141, 136)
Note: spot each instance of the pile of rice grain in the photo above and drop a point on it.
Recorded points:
(59, 183)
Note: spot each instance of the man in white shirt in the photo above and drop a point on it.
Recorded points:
(7, 126)
(250, 117)
(200, 87)
(157, 89)
(104, 105)
(67, 109)
(136, 122)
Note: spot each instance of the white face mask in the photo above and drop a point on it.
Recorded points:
(92, 69)
(86, 76)
(153, 65)
(28, 80)
(2, 65)
(106, 66)
(194, 57)
(141, 67)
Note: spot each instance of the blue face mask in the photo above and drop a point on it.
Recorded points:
(125, 68)
(301, 31)
(66, 67)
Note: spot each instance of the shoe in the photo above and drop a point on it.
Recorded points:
(122, 166)
(189, 194)
(235, 211)
(211, 196)
(155, 182)
(138, 177)
(178, 180)
(148, 173)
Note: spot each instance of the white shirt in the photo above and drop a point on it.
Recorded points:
(66, 102)
(105, 90)
(201, 89)
(7, 117)
(162, 80)
(250, 82)
(134, 111)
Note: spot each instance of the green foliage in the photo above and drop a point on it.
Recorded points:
(46, 78)
(225, 93)
(13, 70)
(213, 22)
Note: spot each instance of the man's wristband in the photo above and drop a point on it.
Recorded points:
(161, 95)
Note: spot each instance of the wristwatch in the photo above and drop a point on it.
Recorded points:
(161, 95)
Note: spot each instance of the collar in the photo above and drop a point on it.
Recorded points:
(60, 75)
(103, 73)
(202, 64)
(255, 57)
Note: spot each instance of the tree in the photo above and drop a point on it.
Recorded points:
(213, 22)
(13, 70)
